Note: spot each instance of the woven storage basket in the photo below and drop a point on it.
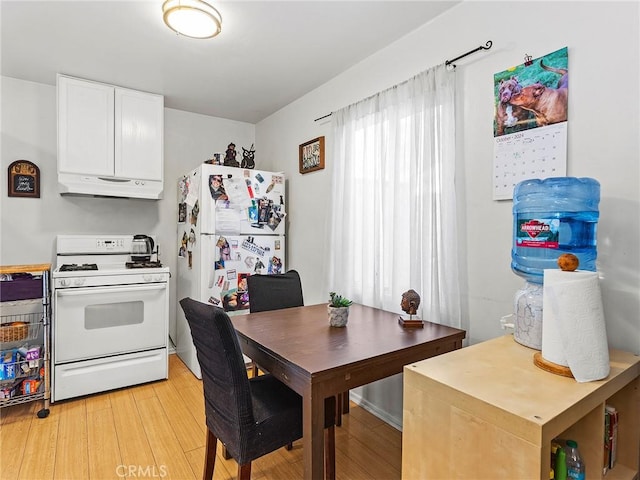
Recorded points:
(14, 332)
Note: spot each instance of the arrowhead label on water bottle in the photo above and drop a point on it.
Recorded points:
(538, 233)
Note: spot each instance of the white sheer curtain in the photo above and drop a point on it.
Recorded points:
(393, 212)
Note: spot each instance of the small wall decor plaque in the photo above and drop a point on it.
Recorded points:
(311, 155)
(24, 179)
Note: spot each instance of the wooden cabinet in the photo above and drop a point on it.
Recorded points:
(108, 136)
(486, 411)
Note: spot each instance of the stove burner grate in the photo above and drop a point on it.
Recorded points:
(74, 267)
(143, 264)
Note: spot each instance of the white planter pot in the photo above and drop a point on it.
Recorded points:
(338, 316)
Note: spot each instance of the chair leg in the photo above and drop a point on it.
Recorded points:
(254, 370)
(210, 456)
(330, 453)
(244, 471)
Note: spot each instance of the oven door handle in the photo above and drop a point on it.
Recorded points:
(69, 292)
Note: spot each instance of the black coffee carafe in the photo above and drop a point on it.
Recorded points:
(141, 248)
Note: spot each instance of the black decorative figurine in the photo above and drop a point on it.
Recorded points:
(248, 157)
(230, 156)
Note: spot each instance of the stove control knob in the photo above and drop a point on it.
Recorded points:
(147, 278)
(158, 278)
(78, 282)
(65, 282)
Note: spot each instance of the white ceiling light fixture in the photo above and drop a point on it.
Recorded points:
(192, 18)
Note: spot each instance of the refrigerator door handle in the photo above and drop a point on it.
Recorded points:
(211, 277)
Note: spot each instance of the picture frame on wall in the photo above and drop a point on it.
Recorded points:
(23, 179)
(311, 155)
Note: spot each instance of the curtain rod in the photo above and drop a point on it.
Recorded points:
(324, 116)
(486, 46)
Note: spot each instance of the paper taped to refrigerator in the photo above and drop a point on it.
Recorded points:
(228, 218)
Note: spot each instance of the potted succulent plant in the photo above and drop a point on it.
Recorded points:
(338, 310)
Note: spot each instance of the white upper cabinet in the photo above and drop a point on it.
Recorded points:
(139, 127)
(85, 127)
(110, 140)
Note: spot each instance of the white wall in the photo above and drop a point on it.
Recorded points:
(29, 225)
(603, 43)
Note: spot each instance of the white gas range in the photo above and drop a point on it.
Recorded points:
(110, 316)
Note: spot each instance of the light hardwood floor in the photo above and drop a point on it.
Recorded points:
(157, 430)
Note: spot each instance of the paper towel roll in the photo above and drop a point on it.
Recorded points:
(573, 328)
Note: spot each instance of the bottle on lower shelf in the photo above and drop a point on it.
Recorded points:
(560, 467)
(575, 464)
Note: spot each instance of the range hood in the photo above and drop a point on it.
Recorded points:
(76, 184)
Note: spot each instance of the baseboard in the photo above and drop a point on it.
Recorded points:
(372, 409)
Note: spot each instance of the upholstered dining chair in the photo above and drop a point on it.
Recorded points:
(250, 416)
(273, 292)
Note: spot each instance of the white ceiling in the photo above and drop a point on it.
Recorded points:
(268, 54)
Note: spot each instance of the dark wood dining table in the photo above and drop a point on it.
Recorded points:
(298, 346)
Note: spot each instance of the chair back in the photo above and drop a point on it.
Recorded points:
(272, 292)
(228, 405)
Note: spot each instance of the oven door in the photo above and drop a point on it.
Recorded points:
(99, 321)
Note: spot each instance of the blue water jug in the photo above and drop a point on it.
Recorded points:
(551, 217)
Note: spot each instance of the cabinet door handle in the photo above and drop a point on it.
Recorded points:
(121, 180)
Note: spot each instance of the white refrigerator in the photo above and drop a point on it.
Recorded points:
(231, 224)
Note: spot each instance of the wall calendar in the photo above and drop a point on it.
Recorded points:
(537, 153)
(530, 122)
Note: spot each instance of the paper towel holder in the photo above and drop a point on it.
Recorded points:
(551, 367)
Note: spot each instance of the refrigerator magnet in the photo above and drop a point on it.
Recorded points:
(252, 212)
